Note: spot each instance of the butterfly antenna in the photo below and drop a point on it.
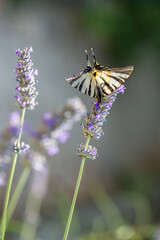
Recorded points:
(94, 58)
(88, 62)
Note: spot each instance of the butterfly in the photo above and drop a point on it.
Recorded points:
(99, 81)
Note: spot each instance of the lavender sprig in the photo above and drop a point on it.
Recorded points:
(26, 100)
(95, 120)
(92, 129)
(27, 93)
(56, 127)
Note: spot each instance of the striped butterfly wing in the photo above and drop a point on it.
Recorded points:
(85, 83)
(109, 79)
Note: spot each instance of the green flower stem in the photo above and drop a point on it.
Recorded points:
(21, 128)
(75, 195)
(17, 193)
(8, 191)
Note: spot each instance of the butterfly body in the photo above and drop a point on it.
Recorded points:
(99, 81)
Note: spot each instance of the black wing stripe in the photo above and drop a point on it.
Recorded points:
(90, 87)
(114, 86)
(81, 85)
(127, 72)
(117, 79)
(99, 93)
(77, 85)
(105, 93)
(117, 75)
(107, 84)
(72, 80)
(94, 94)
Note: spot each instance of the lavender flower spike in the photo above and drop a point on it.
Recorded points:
(26, 91)
(98, 114)
(94, 122)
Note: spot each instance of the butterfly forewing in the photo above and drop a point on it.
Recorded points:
(110, 79)
(84, 82)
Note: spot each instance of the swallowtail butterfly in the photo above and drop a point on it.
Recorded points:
(99, 81)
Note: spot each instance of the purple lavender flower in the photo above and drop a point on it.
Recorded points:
(95, 120)
(35, 160)
(54, 130)
(50, 145)
(14, 123)
(87, 152)
(22, 149)
(63, 136)
(98, 114)
(48, 119)
(26, 91)
(56, 127)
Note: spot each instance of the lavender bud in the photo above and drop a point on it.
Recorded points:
(22, 149)
(87, 152)
(93, 131)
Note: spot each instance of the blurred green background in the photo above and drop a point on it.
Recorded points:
(120, 191)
